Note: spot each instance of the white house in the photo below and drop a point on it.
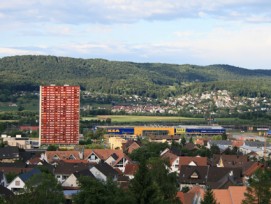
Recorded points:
(18, 183)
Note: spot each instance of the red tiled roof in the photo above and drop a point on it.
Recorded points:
(62, 155)
(180, 195)
(75, 161)
(130, 169)
(103, 154)
(199, 161)
(232, 195)
(237, 143)
(250, 170)
(170, 156)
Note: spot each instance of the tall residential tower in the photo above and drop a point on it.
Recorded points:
(59, 114)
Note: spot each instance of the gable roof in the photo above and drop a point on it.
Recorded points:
(190, 146)
(9, 152)
(187, 171)
(258, 144)
(214, 177)
(5, 192)
(170, 157)
(106, 169)
(186, 160)
(69, 168)
(220, 142)
(232, 195)
(84, 172)
(230, 160)
(62, 155)
(131, 169)
(16, 167)
(26, 176)
(103, 154)
(251, 167)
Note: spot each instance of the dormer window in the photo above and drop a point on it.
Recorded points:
(55, 157)
(71, 157)
(92, 157)
(194, 175)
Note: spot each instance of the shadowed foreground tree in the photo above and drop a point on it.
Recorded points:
(93, 191)
(154, 184)
(40, 189)
(258, 190)
(208, 197)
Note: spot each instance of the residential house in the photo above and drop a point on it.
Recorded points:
(214, 177)
(130, 146)
(222, 144)
(249, 169)
(9, 154)
(71, 183)
(16, 167)
(19, 181)
(173, 160)
(257, 147)
(231, 195)
(102, 171)
(165, 138)
(229, 160)
(54, 156)
(130, 170)
(63, 169)
(192, 161)
(116, 142)
(115, 158)
(190, 146)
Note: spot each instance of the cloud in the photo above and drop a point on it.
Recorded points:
(18, 51)
(131, 11)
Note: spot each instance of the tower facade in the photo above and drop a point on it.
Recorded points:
(59, 114)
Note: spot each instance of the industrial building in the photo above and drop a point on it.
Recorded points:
(163, 130)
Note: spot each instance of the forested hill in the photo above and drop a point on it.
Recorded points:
(148, 79)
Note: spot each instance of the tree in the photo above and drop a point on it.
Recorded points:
(93, 191)
(143, 188)
(224, 136)
(191, 139)
(150, 149)
(166, 181)
(258, 190)
(153, 183)
(209, 197)
(42, 189)
(52, 148)
(183, 141)
(214, 149)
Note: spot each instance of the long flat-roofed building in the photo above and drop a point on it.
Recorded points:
(59, 114)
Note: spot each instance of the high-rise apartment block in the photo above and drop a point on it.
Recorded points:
(59, 114)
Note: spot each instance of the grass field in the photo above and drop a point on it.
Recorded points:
(169, 119)
(131, 118)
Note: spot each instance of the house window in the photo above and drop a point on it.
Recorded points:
(55, 157)
(195, 175)
(92, 157)
(71, 157)
(17, 183)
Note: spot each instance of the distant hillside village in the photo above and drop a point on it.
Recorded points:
(180, 164)
(219, 103)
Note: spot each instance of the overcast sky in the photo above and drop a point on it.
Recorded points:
(201, 32)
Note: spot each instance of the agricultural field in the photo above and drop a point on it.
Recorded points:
(132, 118)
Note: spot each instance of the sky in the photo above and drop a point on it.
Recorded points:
(200, 32)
